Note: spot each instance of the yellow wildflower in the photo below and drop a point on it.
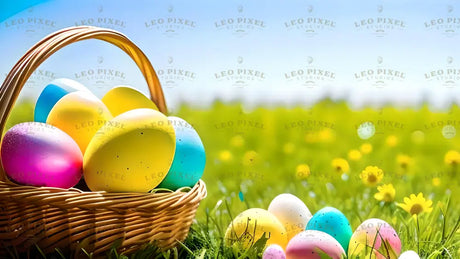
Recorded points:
(354, 155)
(386, 193)
(391, 141)
(326, 135)
(436, 181)
(225, 156)
(416, 204)
(403, 161)
(340, 165)
(302, 171)
(371, 176)
(452, 157)
(366, 148)
(250, 158)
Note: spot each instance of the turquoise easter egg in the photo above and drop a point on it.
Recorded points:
(52, 93)
(189, 158)
(333, 222)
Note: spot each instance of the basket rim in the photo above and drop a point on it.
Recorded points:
(100, 200)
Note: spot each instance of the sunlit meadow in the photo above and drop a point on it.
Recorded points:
(405, 173)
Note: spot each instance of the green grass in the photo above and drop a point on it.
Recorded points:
(265, 145)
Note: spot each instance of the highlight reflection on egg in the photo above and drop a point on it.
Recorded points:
(291, 212)
(38, 154)
(52, 93)
(189, 158)
(79, 114)
(130, 153)
(121, 99)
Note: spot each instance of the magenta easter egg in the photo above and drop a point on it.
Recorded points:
(314, 244)
(38, 154)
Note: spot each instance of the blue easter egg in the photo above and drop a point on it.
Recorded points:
(52, 93)
(189, 159)
(333, 222)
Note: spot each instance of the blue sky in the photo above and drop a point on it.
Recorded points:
(206, 39)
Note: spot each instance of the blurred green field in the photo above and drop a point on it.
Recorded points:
(252, 156)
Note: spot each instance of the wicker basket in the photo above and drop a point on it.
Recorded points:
(70, 218)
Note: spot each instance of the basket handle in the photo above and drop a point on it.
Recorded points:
(19, 74)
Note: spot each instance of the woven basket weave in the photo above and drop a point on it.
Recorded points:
(70, 218)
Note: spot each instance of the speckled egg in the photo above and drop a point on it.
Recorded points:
(250, 225)
(373, 233)
(130, 153)
(274, 252)
(121, 99)
(333, 222)
(313, 244)
(291, 212)
(189, 158)
(79, 114)
(38, 154)
(409, 255)
(52, 93)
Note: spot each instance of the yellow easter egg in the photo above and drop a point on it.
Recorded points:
(250, 225)
(130, 153)
(79, 114)
(121, 99)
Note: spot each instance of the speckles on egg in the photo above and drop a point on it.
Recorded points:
(113, 158)
(333, 222)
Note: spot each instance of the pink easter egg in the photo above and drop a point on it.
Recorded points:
(312, 244)
(274, 252)
(38, 154)
(375, 233)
